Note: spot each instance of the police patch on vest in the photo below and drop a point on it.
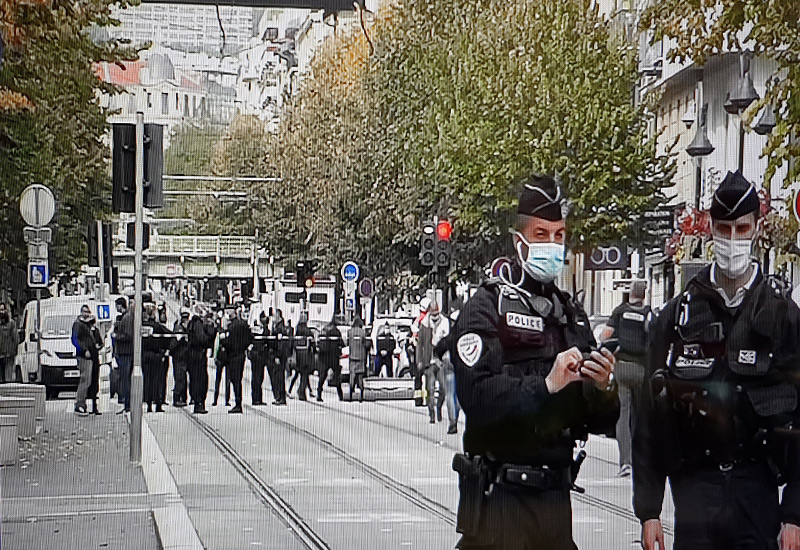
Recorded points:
(527, 322)
(692, 351)
(470, 346)
(633, 316)
(686, 363)
(747, 357)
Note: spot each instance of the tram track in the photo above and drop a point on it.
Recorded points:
(293, 520)
(415, 497)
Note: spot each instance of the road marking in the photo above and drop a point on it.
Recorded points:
(30, 518)
(371, 518)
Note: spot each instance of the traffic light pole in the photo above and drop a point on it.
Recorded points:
(100, 260)
(137, 383)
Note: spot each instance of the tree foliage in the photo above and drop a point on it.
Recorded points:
(702, 28)
(59, 139)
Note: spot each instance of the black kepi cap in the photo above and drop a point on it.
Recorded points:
(542, 197)
(734, 198)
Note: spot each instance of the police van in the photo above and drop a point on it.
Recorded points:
(59, 364)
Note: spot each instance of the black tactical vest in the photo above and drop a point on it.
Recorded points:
(632, 329)
(722, 384)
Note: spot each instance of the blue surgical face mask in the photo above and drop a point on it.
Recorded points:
(544, 261)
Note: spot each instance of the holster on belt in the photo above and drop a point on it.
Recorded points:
(474, 479)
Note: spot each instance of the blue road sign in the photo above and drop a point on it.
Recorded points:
(38, 274)
(350, 304)
(103, 312)
(350, 272)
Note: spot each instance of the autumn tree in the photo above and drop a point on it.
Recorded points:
(60, 139)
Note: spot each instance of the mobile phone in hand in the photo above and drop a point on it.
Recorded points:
(611, 345)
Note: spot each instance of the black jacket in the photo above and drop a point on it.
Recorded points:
(86, 337)
(179, 346)
(502, 351)
(238, 338)
(659, 448)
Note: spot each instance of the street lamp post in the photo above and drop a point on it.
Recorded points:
(700, 146)
(744, 94)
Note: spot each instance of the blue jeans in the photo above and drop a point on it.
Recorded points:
(452, 401)
(125, 363)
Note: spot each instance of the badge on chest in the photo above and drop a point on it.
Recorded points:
(524, 322)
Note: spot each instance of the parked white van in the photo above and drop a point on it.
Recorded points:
(59, 365)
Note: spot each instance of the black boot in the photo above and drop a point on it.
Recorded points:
(149, 408)
(95, 411)
(159, 409)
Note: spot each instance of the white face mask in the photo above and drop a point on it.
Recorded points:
(732, 256)
(544, 261)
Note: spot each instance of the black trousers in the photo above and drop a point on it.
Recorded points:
(257, 364)
(235, 368)
(385, 361)
(304, 370)
(179, 373)
(154, 378)
(277, 377)
(197, 364)
(220, 369)
(737, 509)
(522, 518)
(94, 384)
(329, 364)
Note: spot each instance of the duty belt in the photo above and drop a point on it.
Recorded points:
(537, 477)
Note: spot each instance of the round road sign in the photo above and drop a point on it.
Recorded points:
(365, 287)
(350, 271)
(796, 205)
(37, 205)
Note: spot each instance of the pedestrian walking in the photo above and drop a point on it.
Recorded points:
(441, 353)
(417, 363)
(259, 357)
(238, 338)
(9, 340)
(179, 352)
(359, 355)
(88, 342)
(201, 337)
(718, 415)
(432, 329)
(280, 349)
(330, 352)
(123, 349)
(629, 324)
(304, 349)
(384, 352)
(155, 343)
(527, 389)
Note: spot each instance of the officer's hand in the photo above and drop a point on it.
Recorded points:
(599, 367)
(652, 535)
(789, 537)
(565, 370)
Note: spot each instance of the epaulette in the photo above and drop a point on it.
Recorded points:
(502, 287)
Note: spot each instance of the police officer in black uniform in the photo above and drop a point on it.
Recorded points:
(530, 385)
(723, 373)
(629, 324)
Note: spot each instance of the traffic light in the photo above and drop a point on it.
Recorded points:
(123, 167)
(444, 249)
(305, 273)
(108, 249)
(130, 235)
(92, 239)
(427, 244)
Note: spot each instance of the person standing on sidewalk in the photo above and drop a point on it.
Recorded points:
(259, 357)
(9, 340)
(201, 338)
(433, 328)
(304, 353)
(154, 345)
(330, 351)
(629, 323)
(237, 340)
(359, 354)
(280, 348)
(88, 342)
(179, 352)
(123, 349)
(441, 353)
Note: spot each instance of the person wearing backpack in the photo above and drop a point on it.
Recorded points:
(629, 323)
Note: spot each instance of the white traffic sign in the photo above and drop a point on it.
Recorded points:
(37, 205)
(350, 287)
(350, 271)
(103, 311)
(38, 274)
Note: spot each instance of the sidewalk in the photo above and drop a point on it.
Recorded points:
(74, 487)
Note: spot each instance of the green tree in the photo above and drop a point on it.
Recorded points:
(60, 140)
(700, 29)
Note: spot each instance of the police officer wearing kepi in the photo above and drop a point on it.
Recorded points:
(530, 385)
(723, 371)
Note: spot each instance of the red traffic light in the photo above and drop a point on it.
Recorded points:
(443, 230)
